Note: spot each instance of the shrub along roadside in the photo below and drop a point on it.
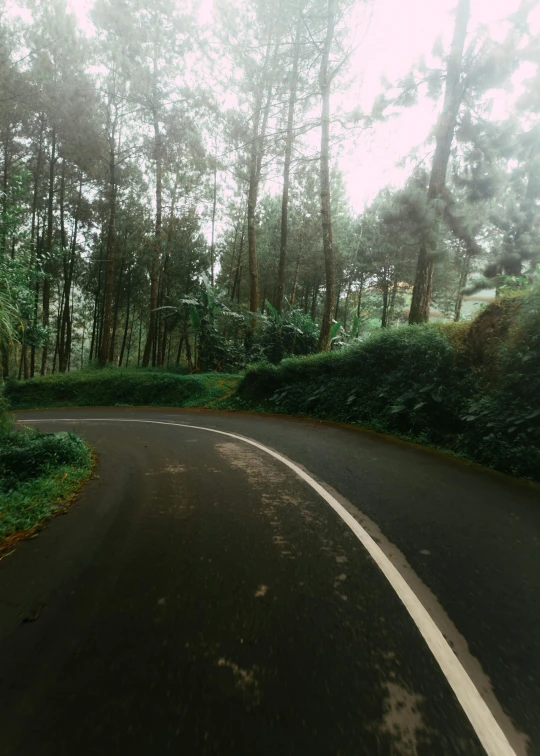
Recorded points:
(473, 389)
(39, 472)
(470, 388)
(113, 387)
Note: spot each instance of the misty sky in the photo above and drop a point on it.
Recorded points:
(398, 34)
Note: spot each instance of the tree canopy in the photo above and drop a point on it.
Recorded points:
(173, 184)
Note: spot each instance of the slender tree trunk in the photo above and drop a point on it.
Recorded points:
(295, 282)
(313, 311)
(214, 202)
(179, 352)
(117, 302)
(95, 319)
(34, 244)
(384, 317)
(236, 284)
(464, 272)
(60, 333)
(129, 341)
(328, 242)
(35, 194)
(140, 340)
(454, 91)
(65, 335)
(346, 306)
(338, 298)
(392, 301)
(82, 342)
(151, 336)
(230, 277)
(48, 252)
(360, 292)
(286, 170)
(169, 349)
(126, 326)
(188, 351)
(111, 259)
(57, 338)
(255, 162)
(5, 193)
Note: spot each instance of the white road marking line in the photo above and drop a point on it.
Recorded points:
(484, 723)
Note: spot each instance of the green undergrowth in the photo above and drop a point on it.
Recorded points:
(113, 387)
(39, 473)
(470, 388)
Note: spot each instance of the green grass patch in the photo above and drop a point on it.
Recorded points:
(119, 387)
(39, 473)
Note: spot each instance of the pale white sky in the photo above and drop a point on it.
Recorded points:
(400, 32)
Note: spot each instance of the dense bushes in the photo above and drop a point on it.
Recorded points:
(30, 454)
(472, 388)
(116, 387)
(400, 380)
(504, 417)
(38, 471)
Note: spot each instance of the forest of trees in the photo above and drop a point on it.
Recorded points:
(171, 193)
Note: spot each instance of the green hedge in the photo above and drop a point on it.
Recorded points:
(401, 380)
(38, 472)
(470, 388)
(118, 387)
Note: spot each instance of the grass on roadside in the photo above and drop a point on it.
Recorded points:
(113, 387)
(39, 474)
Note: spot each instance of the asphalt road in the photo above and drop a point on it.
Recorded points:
(201, 597)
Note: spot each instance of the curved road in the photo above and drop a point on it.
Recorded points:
(320, 591)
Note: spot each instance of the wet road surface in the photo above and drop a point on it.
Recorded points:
(202, 598)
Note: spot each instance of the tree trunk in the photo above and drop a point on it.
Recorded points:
(111, 255)
(65, 336)
(286, 170)
(140, 340)
(454, 91)
(255, 162)
(236, 284)
(328, 242)
(82, 344)
(346, 306)
(392, 301)
(57, 338)
(151, 335)
(126, 326)
(188, 351)
(360, 292)
(48, 252)
(179, 352)
(129, 341)
(313, 311)
(295, 282)
(117, 301)
(338, 298)
(5, 192)
(384, 317)
(214, 202)
(95, 341)
(35, 194)
(464, 272)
